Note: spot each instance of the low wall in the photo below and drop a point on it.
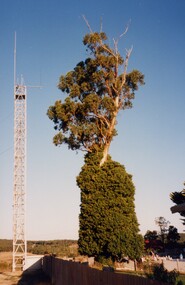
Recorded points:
(169, 264)
(177, 264)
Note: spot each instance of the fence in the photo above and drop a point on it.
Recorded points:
(64, 272)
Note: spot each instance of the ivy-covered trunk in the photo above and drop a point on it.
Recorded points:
(108, 223)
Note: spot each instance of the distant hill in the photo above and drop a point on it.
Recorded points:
(67, 248)
(5, 245)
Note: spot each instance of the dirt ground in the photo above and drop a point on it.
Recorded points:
(6, 257)
(7, 277)
(26, 278)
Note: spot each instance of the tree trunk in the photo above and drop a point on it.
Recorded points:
(110, 131)
(105, 154)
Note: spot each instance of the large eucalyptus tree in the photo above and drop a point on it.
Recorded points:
(96, 90)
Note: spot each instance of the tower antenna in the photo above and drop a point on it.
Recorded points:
(15, 36)
(19, 184)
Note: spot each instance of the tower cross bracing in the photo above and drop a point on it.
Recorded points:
(19, 187)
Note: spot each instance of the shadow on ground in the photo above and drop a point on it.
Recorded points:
(34, 277)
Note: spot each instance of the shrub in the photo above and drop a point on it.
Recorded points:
(180, 282)
(161, 274)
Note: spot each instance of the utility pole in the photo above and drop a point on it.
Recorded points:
(19, 184)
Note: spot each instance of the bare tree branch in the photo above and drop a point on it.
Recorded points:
(115, 45)
(126, 30)
(87, 23)
(126, 65)
(101, 25)
(109, 50)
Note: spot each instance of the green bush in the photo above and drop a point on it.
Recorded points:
(161, 274)
(180, 282)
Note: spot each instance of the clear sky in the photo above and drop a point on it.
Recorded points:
(151, 136)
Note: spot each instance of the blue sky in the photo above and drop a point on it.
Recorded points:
(151, 136)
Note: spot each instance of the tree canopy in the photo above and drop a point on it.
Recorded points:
(97, 89)
(179, 198)
(173, 235)
(163, 225)
(151, 235)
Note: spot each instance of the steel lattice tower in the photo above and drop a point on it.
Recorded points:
(19, 187)
(19, 191)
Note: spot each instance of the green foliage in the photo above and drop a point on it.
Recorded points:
(108, 223)
(181, 279)
(172, 236)
(163, 275)
(97, 89)
(179, 198)
(67, 248)
(151, 235)
(163, 225)
(180, 282)
(152, 241)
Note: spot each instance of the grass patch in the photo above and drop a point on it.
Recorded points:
(182, 278)
(5, 266)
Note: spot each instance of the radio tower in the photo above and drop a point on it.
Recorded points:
(19, 187)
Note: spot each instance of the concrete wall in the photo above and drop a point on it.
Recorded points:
(33, 262)
(177, 264)
(169, 264)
